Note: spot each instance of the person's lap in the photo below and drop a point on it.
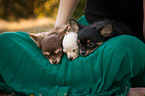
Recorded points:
(106, 71)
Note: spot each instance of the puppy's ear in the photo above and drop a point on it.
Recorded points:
(62, 30)
(107, 30)
(35, 38)
(75, 26)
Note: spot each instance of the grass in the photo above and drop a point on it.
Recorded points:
(27, 25)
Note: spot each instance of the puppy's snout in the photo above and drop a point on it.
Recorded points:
(83, 53)
(70, 58)
(54, 61)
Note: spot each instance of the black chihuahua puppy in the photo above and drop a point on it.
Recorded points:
(92, 36)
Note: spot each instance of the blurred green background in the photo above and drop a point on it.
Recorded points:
(31, 15)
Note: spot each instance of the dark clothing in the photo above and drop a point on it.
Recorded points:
(128, 11)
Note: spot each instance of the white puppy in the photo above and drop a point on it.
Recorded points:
(70, 45)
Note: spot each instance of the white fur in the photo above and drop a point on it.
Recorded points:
(70, 44)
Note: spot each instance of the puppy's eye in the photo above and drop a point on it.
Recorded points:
(74, 50)
(79, 43)
(95, 28)
(90, 44)
(47, 55)
(59, 52)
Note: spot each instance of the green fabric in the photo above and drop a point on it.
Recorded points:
(83, 20)
(115, 66)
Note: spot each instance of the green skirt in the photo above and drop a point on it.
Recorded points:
(112, 69)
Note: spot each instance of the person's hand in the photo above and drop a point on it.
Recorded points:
(139, 91)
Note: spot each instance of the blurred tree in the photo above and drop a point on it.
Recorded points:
(49, 8)
(79, 10)
(14, 9)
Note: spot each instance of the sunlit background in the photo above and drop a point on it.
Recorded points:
(31, 15)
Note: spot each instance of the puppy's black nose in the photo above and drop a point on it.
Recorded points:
(54, 61)
(83, 52)
(70, 58)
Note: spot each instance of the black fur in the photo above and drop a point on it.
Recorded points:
(90, 37)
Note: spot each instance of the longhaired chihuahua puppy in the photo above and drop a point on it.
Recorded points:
(70, 45)
(92, 36)
(50, 43)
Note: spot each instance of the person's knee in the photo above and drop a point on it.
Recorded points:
(7, 34)
(127, 40)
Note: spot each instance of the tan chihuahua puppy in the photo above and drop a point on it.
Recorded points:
(51, 43)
